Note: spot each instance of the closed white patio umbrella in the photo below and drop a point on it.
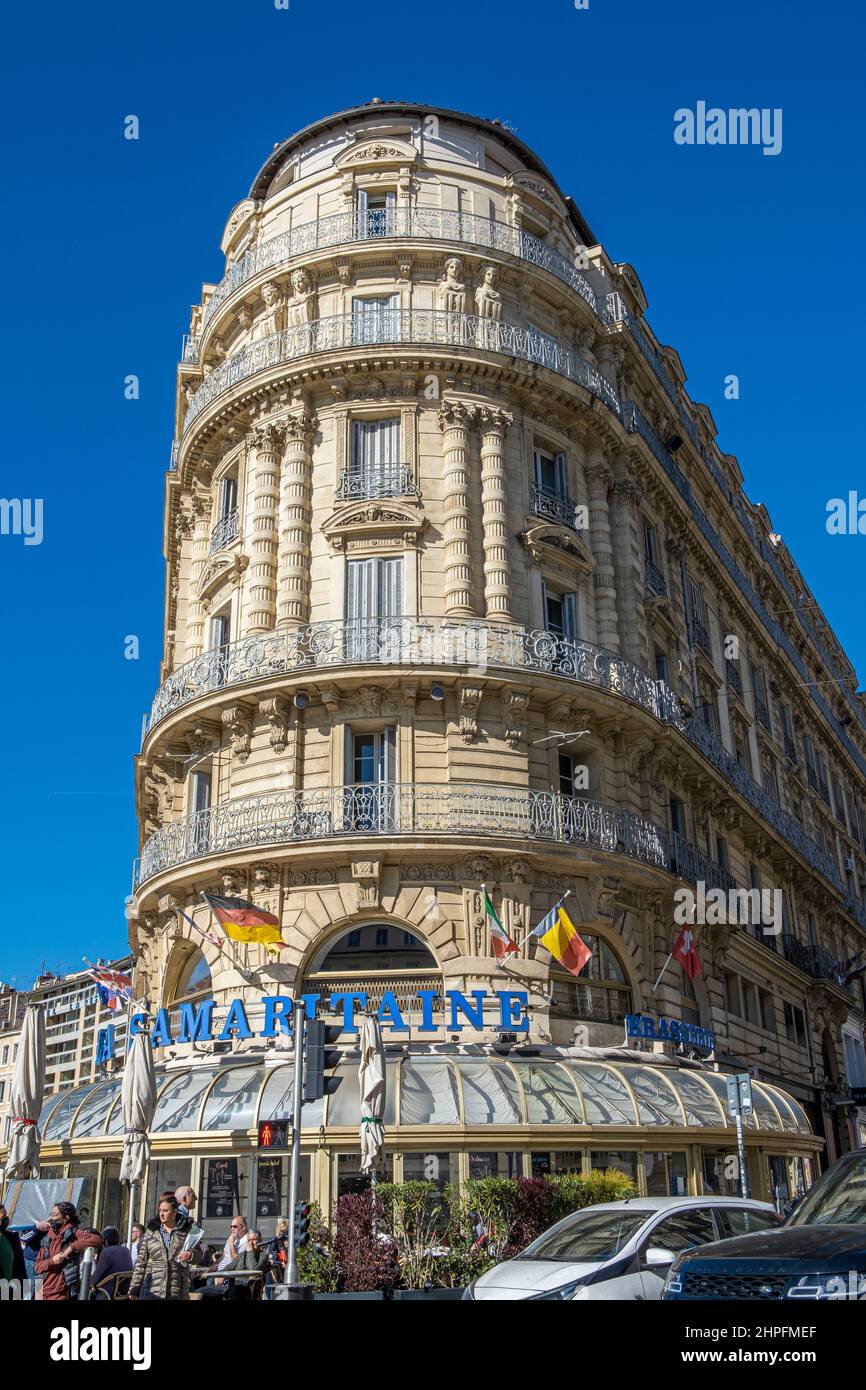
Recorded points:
(371, 1076)
(138, 1100)
(26, 1095)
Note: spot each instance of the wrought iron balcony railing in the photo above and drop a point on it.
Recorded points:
(815, 960)
(408, 641)
(433, 224)
(762, 713)
(735, 680)
(588, 1001)
(388, 480)
(655, 580)
(227, 529)
(701, 637)
(553, 506)
(410, 809)
(399, 327)
(790, 749)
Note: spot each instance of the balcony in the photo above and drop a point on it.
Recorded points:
(589, 1002)
(734, 679)
(410, 642)
(399, 810)
(423, 224)
(790, 749)
(429, 328)
(389, 480)
(701, 638)
(552, 505)
(655, 580)
(762, 713)
(227, 530)
(814, 960)
(403, 985)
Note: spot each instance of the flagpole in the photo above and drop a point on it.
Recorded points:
(661, 972)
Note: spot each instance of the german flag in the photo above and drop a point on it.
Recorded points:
(243, 921)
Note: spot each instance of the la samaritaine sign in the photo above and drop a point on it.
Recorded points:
(194, 1022)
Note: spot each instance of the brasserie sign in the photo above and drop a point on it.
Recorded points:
(194, 1022)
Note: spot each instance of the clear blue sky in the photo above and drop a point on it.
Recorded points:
(751, 264)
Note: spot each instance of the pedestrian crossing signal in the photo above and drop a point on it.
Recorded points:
(275, 1134)
(302, 1223)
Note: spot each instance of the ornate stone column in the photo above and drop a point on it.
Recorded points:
(260, 580)
(599, 480)
(201, 514)
(494, 425)
(296, 532)
(627, 543)
(454, 421)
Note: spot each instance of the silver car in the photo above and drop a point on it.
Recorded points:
(619, 1250)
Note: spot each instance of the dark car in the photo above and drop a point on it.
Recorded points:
(819, 1253)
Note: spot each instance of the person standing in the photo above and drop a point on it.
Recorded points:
(161, 1256)
(186, 1201)
(60, 1252)
(12, 1264)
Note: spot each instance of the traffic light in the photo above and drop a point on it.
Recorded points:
(320, 1058)
(275, 1134)
(302, 1223)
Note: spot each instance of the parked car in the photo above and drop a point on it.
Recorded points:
(819, 1253)
(618, 1250)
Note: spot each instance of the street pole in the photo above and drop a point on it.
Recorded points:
(741, 1151)
(295, 1168)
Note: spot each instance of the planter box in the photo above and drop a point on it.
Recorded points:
(428, 1295)
(375, 1296)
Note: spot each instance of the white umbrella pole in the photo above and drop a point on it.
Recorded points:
(131, 1215)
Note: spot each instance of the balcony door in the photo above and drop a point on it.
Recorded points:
(376, 320)
(376, 213)
(375, 469)
(374, 595)
(371, 764)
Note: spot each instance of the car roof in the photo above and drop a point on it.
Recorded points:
(651, 1204)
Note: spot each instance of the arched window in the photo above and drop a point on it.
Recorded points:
(600, 994)
(188, 977)
(370, 959)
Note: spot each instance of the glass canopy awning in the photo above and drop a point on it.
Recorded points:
(429, 1090)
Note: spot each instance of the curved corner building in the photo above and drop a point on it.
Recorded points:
(454, 565)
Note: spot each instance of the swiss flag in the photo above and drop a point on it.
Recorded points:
(685, 953)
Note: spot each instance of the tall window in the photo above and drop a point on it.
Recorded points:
(220, 625)
(371, 760)
(600, 995)
(376, 456)
(376, 320)
(551, 473)
(560, 614)
(228, 497)
(376, 212)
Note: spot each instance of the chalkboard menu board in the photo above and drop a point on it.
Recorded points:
(222, 1187)
(268, 1186)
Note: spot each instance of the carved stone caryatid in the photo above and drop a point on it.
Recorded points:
(451, 291)
(488, 310)
(301, 307)
(260, 580)
(454, 421)
(599, 480)
(201, 513)
(271, 320)
(296, 533)
(494, 425)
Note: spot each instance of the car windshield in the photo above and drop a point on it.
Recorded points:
(838, 1198)
(587, 1236)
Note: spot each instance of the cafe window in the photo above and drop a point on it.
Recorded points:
(225, 1194)
(496, 1164)
(666, 1174)
(623, 1160)
(437, 1168)
(350, 1178)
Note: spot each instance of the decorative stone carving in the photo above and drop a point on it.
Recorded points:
(271, 320)
(515, 706)
(238, 721)
(470, 702)
(478, 868)
(233, 882)
(366, 872)
(311, 878)
(425, 873)
(519, 869)
(301, 307)
(488, 300)
(451, 291)
(278, 712)
(266, 877)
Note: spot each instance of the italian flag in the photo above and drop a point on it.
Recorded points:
(501, 942)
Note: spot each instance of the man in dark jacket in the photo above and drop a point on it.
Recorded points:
(254, 1258)
(61, 1249)
(114, 1259)
(12, 1265)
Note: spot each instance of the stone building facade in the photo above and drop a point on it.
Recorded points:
(461, 589)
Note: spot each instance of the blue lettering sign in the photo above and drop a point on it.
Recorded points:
(348, 1001)
(459, 1001)
(236, 1022)
(510, 1004)
(160, 1034)
(428, 998)
(196, 1022)
(389, 1013)
(670, 1030)
(277, 1010)
(105, 1045)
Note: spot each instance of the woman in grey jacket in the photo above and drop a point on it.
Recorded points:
(162, 1267)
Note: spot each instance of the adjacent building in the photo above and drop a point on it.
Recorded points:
(462, 590)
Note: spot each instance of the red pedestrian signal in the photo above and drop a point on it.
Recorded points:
(274, 1134)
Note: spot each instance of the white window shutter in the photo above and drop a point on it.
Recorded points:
(562, 475)
(569, 604)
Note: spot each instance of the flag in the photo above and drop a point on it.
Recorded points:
(113, 988)
(243, 921)
(684, 951)
(206, 932)
(501, 942)
(558, 934)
